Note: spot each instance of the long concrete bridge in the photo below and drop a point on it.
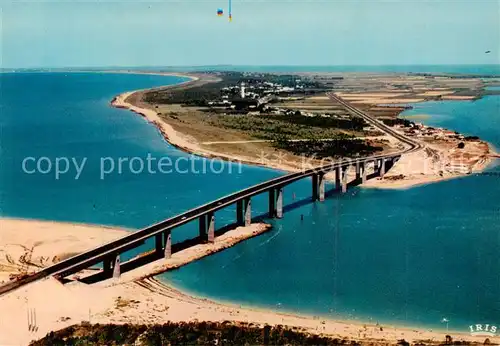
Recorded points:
(109, 254)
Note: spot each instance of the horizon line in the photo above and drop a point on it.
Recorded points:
(240, 65)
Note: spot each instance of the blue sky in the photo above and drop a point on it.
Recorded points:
(166, 33)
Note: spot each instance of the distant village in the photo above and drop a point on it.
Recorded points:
(419, 130)
(245, 97)
(256, 96)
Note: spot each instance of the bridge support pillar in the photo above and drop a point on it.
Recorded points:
(272, 203)
(211, 227)
(116, 267)
(167, 252)
(239, 213)
(338, 175)
(358, 171)
(314, 187)
(344, 179)
(390, 163)
(364, 167)
(202, 223)
(321, 187)
(248, 211)
(159, 243)
(381, 168)
(279, 202)
(107, 267)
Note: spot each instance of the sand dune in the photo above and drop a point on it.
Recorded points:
(388, 101)
(436, 93)
(27, 246)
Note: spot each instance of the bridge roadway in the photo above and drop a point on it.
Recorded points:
(112, 249)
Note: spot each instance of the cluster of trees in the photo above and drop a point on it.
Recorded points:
(264, 127)
(331, 148)
(311, 136)
(196, 95)
(190, 333)
(398, 121)
(354, 124)
(471, 138)
(203, 333)
(287, 126)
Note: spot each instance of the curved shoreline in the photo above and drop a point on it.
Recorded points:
(179, 141)
(139, 301)
(184, 143)
(313, 322)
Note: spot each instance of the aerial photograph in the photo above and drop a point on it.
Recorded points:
(249, 172)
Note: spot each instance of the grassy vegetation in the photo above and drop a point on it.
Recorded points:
(192, 333)
(341, 147)
(311, 131)
(217, 124)
(193, 96)
(287, 126)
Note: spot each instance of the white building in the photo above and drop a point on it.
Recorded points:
(242, 90)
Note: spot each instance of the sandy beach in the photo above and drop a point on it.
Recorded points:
(26, 246)
(133, 300)
(438, 161)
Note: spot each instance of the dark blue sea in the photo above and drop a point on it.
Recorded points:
(407, 257)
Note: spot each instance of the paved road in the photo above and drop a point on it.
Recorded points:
(413, 145)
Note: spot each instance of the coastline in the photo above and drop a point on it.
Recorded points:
(436, 333)
(177, 140)
(181, 142)
(199, 306)
(148, 301)
(413, 176)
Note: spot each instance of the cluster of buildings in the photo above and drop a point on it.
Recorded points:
(289, 112)
(421, 131)
(254, 95)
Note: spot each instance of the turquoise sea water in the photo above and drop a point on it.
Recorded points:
(68, 115)
(407, 257)
(480, 117)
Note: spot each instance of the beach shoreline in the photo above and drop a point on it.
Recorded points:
(182, 142)
(181, 292)
(146, 300)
